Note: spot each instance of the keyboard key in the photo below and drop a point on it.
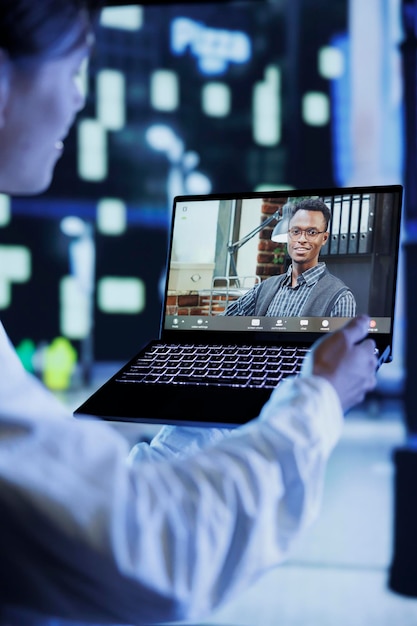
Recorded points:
(216, 365)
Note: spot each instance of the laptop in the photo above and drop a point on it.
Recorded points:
(216, 361)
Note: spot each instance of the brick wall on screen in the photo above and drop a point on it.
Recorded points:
(266, 265)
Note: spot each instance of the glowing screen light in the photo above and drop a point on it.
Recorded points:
(111, 216)
(164, 90)
(5, 294)
(120, 294)
(72, 226)
(162, 138)
(15, 267)
(75, 309)
(316, 108)
(267, 109)
(123, 18)
(5, 214)
(331, 62)
(198, 183)
(214, 48)
(272, 187)
(111, 99)
(92, 150)
(216, 99)
(15, 263)
(60, 359)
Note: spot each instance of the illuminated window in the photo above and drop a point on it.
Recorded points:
(272, 187)
(164, 90)
(15, 267)
(124, 18)
(315, 108)
(216, 99)
(75, 309)
(331, 62)
(73, 226)
(92, 151)
(5, 294)
(111, 98)
(15, 263)
(267, 109)
(111, 216)
(121, 295)
(4, 210)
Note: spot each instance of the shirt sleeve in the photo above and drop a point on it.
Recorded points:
(176, 442)
(245, 305)
(92, 536)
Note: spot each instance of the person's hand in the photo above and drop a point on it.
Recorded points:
(348, 365)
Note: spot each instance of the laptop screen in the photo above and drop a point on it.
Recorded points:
(298, 262)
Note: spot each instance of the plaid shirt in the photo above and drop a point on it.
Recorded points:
(289, 301)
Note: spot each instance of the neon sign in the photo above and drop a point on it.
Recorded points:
(214, 48)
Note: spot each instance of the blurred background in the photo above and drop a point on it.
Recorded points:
(193, 97)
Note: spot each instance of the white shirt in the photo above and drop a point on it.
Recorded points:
(168, 532)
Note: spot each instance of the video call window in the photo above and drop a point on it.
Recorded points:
(223, 249)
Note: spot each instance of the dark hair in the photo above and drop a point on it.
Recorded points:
(311, 204)
(44, 29)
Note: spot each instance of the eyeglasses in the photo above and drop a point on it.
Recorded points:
(310, 233)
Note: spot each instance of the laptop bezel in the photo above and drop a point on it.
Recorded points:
(383, 341)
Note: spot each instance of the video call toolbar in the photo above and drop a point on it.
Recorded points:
(268, 324)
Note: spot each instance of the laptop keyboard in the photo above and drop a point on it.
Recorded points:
(219, 365)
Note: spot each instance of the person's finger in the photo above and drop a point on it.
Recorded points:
(368, 346)
(357, 329)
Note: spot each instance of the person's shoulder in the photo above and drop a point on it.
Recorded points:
(332, 279)
(277, 278)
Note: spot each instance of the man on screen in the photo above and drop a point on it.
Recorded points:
(307, 289)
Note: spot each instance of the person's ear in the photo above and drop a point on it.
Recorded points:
(325, 237)
(4, 84)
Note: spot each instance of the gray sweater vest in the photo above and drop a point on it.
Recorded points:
(319, 303)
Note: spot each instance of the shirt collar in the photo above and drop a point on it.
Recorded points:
(310, 276)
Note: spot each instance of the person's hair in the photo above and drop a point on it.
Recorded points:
(311, 204)
(39, 30)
